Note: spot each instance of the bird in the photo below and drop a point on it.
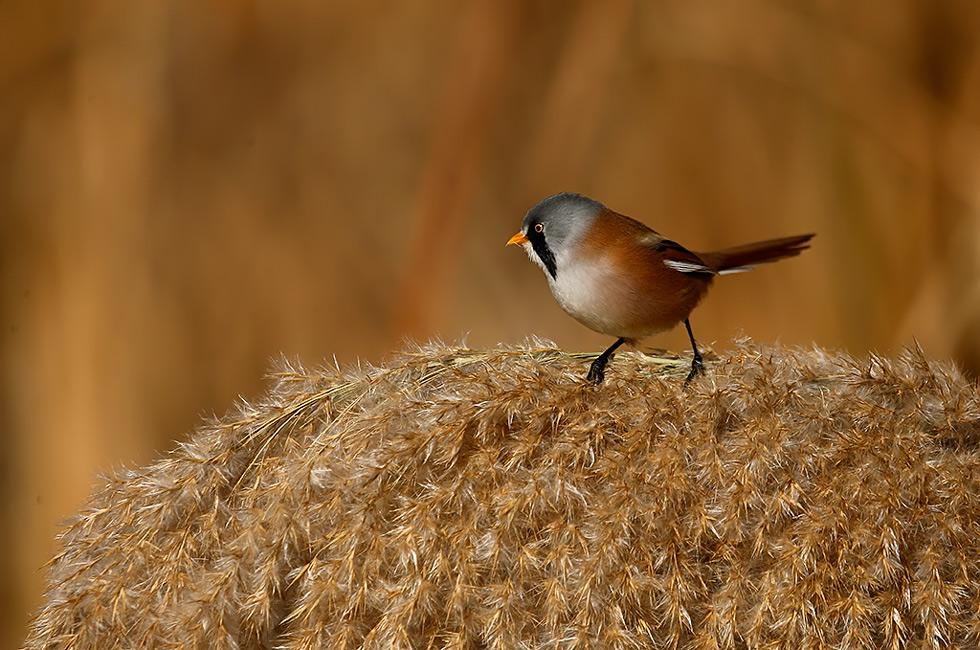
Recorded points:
(618, 277)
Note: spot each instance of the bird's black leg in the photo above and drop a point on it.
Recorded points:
(697, 367)
(598, 368)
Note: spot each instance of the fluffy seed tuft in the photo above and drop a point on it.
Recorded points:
(456, 498)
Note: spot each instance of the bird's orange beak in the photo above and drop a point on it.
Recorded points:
(519, 238)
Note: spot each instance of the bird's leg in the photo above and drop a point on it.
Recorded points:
(697, 367)
(598, 367)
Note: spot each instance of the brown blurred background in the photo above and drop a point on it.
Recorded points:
(188, 189)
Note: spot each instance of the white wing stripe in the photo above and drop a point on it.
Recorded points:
(737, 269)
(687, 267)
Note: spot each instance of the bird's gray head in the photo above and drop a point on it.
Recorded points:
(555, 224)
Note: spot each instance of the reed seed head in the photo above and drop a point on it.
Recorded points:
(456, 498)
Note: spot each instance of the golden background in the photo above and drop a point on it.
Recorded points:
(188, 189)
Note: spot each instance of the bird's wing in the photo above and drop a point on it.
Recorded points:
(675, 256)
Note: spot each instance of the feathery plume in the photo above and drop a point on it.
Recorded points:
(457, 498)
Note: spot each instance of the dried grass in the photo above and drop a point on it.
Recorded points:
(490, 499)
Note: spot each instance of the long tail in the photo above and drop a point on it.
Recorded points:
(747, 257)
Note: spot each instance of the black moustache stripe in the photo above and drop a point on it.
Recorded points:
(540, 247)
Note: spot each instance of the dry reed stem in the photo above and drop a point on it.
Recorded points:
(456, 498)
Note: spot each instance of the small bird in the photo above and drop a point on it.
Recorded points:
(618, 277)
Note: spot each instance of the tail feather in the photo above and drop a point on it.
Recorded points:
(746, 257)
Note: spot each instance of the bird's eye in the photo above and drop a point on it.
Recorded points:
(539, 227)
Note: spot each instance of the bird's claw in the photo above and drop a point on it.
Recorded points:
(596, 373)
(697, 368)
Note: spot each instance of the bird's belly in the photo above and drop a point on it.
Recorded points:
(631, 308)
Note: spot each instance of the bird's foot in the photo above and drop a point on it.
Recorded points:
(697, 368)
(597, 371)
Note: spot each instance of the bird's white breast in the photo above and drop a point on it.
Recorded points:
(582, 291)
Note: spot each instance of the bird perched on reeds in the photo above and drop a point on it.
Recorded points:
(618, 277)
